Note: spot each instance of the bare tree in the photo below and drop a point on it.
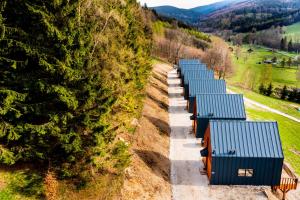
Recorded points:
(218, 58)
(176, 40)
(238, 52)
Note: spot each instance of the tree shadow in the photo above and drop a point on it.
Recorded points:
(175, 95)
(165, 75)
(159, 89)
(178, 109)
(161, 166)
(157, 162)
(174, 85)
(160, 124)
(173, 78)
(180, 132)
(192, 145)
(160, 79)
(160, 103)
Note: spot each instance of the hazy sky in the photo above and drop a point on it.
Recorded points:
(178, 3)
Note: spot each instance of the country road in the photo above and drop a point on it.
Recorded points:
(254, 103)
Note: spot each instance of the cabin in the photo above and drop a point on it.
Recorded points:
(190, 67)
(189, 61)
(195, 74)
(243, 153)
(217, 107)
(197, 86)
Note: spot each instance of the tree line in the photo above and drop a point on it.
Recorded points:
(284, 93)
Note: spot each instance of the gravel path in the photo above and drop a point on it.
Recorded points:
(184, 151)
(187, 182)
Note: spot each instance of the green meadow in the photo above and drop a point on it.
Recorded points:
(289, 134)
(250, 71)
(292, 32)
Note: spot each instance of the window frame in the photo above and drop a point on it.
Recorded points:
(247, 173)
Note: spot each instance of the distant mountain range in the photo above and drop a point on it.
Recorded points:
(237, 15)
(193, 15)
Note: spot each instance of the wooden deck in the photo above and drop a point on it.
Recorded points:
(289, 181)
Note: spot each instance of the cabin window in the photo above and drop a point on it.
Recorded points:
(245, 172)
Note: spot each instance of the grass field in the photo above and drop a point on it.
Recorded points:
(250, 71)
(292, 32)
(283, 106)
(289, 133)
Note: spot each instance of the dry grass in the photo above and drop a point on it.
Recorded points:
(148, 175)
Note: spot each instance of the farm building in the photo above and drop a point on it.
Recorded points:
(216, 106)
(196, 74)
(186, 67)
(197, 86)
(243, 153)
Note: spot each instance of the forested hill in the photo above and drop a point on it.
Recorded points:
(238, 15)
(255, 14)
(72, 75)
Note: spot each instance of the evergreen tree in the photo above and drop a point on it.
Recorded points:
(274, 59)
(66, 71)
(283, 61)
(290, 46)
(283, 43)
(284, 93)
(269, 90)
(262, 89)
(289, 62)
(50, 95)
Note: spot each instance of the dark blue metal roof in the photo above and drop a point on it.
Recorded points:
(245, 139)
(198, 74)
(210, 86)
(189, 61)
(190, 67)
(220, 106)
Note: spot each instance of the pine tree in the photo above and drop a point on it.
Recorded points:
(290, 46)
(269, 90)
(50, 96)
(283, 62)
(289, 62)
(284, 93)
(262, 89)
(64, 75)
(284, 44)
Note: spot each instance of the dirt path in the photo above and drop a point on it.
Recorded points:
(187, 182)
(250, 103)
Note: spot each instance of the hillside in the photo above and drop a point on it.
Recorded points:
(184, 15)
(73, 77)
(193, 15)
(292, 32)
(240, 16)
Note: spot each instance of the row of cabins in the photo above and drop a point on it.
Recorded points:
(236, 151)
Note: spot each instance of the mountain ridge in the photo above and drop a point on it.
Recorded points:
(236, 14)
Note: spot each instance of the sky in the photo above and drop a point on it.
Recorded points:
(177, 3)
